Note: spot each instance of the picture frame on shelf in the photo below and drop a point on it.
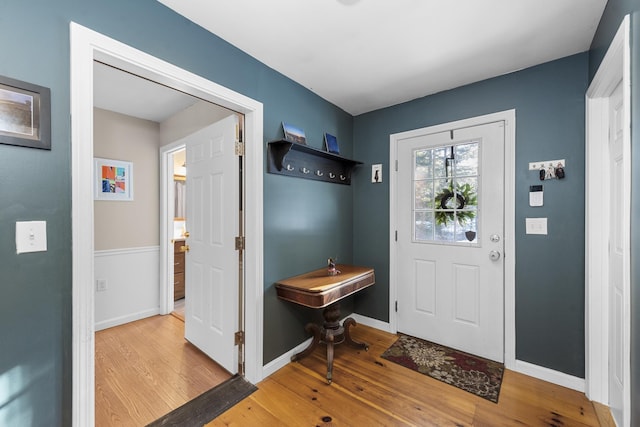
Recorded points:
(113, 180)
(294, 134)
(331, 144)
(25, 114)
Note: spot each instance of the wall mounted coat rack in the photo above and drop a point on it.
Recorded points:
(302, 161)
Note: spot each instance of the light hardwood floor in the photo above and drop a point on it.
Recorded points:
(145, 369)
(370, 391)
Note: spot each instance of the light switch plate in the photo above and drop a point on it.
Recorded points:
(31, 236)
(376, 173)
(536, 225)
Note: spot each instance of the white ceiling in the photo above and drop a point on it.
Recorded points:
(363, 55)
(116, 90)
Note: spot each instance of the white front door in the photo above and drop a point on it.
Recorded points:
(617, 324)
(211, 264)
(450, 241)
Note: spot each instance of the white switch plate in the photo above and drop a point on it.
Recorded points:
(536, 225)
(31, 236)
(376, 173)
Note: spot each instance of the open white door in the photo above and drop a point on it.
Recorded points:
(211, 262)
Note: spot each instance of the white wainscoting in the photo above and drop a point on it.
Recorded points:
(132, 277)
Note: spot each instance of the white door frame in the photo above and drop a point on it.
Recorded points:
(615, 68)
(167, 196)
(86, 46)
(509, 117)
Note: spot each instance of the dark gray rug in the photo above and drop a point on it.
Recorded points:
(208, 405)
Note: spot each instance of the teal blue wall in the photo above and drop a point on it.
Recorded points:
(609, 24)
(305, 221)
(549, 104)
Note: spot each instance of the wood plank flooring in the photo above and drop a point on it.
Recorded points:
(370, 391)
(145, 369)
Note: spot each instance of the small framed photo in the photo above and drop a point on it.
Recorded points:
(25, 114)
(113, 180)
(331, 144)
(293, 134)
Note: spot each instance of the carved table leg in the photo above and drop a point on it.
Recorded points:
(347, 335)
(331, 334)
(329, 342)
(311, 328)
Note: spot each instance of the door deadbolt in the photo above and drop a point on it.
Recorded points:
(495, 238)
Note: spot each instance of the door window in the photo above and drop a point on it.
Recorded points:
(445, 194)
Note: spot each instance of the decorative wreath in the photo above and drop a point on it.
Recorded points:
(462, 196)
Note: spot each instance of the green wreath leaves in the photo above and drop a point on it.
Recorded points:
(447, 200)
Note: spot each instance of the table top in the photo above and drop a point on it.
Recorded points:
(317, 289)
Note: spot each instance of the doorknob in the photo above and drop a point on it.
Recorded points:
(184, 248)
(186, 234)
(494, 255)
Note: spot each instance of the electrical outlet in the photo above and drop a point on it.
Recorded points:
(376, 173)
(101, 285)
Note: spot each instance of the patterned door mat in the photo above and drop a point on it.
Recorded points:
(476, 375)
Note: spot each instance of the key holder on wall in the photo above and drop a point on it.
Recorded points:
(549, 169)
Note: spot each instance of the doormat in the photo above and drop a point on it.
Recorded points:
(208, 405)
(476, 375)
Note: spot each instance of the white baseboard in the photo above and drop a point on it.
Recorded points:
(126, 319)
(371, 322)
(283, 360)
(549, 375)
(539, 372)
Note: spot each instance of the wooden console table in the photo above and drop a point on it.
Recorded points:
(318, 289)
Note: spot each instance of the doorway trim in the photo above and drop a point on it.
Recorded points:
(86, 46)
(509, 117)
(167, 194)
(614, 68)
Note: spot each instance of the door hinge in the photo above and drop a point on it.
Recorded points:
(396, 306)
(396, 235)
(240, 243)
(239, 338)
(396, 165)
(239, 148)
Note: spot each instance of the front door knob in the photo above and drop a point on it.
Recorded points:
(494, 255)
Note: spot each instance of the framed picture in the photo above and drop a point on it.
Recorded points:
(293, 134)
(25, 114)
(113, 180)
(331, 144)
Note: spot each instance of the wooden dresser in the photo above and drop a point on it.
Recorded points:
(178, 270)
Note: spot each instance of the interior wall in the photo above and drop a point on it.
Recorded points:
(549, 104)
(126, 234)
(128, 224)
(609, 24)
(198, 116)
(305, 223)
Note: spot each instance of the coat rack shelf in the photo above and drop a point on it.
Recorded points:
(302, 161)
